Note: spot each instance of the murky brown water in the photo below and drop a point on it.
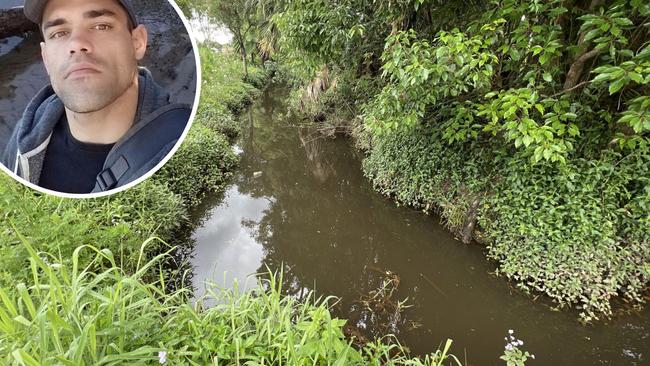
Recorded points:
(169, 57)
(314, 215)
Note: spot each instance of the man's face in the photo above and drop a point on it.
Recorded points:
(89, 52)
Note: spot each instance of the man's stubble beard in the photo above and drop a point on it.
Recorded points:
(80, 99)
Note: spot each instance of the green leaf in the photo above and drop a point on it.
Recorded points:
(601, 78)
(636, 77)
(515, 55)
(617, 85)
(24, 358)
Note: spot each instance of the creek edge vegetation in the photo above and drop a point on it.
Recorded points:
(524, 124)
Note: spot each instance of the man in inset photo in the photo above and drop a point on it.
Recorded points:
(103, 122)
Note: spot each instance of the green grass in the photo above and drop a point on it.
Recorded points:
(223, 69)
(58, 226)
(71, 314)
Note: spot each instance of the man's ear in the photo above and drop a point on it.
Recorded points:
(44, 56)
(139, 38)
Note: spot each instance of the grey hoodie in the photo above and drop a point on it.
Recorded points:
(25, 151)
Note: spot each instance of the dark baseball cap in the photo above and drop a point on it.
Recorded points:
(34, 10)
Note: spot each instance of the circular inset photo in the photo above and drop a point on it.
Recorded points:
(95, 95)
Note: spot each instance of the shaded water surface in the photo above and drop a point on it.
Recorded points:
(314, 215)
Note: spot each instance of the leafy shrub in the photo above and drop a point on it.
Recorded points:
(580, 234)
(418, 169)
(257, 77)
(204, 162)
(218, 118)
(240, 97)
(223, 81)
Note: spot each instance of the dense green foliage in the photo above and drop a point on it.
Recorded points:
(58, 226)
(223, 82)
(525, 123)
(591, 243)
(417, 168)
(204, 163)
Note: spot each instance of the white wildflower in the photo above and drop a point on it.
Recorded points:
(162, 357)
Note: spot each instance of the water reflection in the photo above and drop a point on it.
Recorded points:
(314, 216)
(227, 244)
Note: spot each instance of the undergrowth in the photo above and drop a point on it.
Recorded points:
(579, 233)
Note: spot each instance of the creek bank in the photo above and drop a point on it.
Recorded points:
(568, 232)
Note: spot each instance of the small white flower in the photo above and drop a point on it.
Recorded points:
(506, 338)
(162, 357)
(532, 356)
(510, 331)
(509, 347)
(521, 343)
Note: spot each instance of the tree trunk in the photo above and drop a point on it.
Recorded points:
(242, 48)
(245, 61)
(578, 65)
(575, 71)
(470, 221)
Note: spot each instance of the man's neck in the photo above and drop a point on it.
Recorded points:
(109, 124)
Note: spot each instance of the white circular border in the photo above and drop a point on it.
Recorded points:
(195, 106)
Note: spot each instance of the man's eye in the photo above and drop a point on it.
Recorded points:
(102, 27)
(58, 34)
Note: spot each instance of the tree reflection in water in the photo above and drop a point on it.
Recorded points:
(305, 231)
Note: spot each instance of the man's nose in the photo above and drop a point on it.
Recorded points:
(79, 43)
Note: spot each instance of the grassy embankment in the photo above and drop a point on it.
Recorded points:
(85, 282)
